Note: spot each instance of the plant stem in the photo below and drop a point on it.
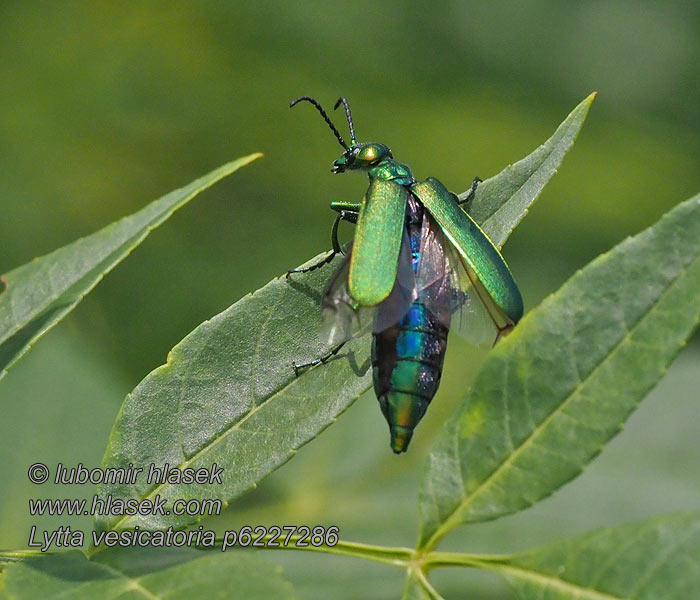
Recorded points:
(15, 555)
(398, 557)
(406, 558)
(433, 560)
(433, 594)
(8, 557)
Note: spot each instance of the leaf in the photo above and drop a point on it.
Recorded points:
(175, 573)
(500, 203)
(648, 560)
(228, 394)
(550, 396)
(40, 293)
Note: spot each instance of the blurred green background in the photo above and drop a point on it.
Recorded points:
(105, 107)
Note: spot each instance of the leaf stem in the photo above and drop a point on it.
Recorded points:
(433, 560)
(407, 558)
(14, 555)
(398, 557)
(416, 561)
(433, 594)
(8, 557)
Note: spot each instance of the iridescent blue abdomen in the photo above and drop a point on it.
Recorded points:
(407, 358)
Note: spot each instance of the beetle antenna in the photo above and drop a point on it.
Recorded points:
(344, 102)
(326, 118)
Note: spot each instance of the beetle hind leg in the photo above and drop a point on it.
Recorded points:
(324, 261)
(472, 190)
(317, 361)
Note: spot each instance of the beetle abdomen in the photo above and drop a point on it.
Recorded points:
(407, 361)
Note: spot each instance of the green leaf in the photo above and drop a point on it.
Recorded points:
(39, 294)
(551, 395)
(175, 573)
(500, 203)
(228, 394)
(648, 560)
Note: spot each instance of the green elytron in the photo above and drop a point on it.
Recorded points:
(418, 264)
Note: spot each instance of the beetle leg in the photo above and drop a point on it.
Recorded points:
(343, 215)
(334, 235)
(472, 190)
(324, 261)
(324, 359)
(349, 215)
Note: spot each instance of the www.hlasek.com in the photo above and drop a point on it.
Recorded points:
(127, 512)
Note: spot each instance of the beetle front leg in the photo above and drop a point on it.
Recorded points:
(472, 190)
(328, 258)
(323, 359)
(343, 215)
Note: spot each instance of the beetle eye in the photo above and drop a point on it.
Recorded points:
(369, 155)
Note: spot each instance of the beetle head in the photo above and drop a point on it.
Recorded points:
(361, 156)
(356, 155)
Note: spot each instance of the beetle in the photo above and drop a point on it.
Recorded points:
(418, 264)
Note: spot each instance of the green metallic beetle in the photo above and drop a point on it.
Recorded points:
(418, 264)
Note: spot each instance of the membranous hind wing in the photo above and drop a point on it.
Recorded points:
(343, 318)
(487, 275)
(444, 286)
